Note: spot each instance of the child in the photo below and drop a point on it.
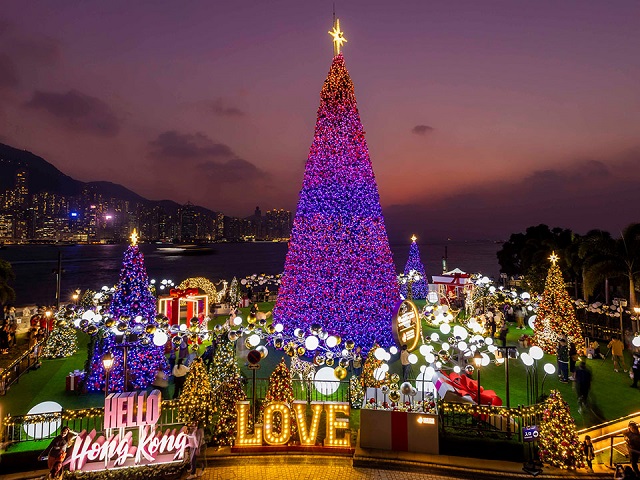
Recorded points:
(587, 449)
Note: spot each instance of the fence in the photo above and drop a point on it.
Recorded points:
(19, 367)
(22, 428)
(310, 391)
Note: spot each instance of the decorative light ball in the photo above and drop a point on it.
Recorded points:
(92, 329)
(395, 378)
(435, 337)
(636, 341)
(394, 395)
(109, 322)
(279, 327)
(319, 359)
(349, 345)
(532, 321)
(88, 315)
(301, 351)
(271, 329)
(430, 357)
(549, 368)
(379, 374)
(233, 336)
(345, 353)
(492, 289)
(460, 332)
(61, 323)
(438, 365)
(194, 328)
(393, 350)
(456, 369)
(79, 323)
(413, 392)
(488, 341)
(217, 329)
(445, 346)
(492, 348)
(413, 358)
(526, 359)
(150, 329)
(145, 340)
(394, 387)
(445, 328)
(324, 381)
(385, 368)
(298, 332)
(122, 327)
(278, 342)
(405, 388)
(385, 389)
(160, 338)
(330, 354)
(485, 359)
(311, 343)
(379, 353)
(469, 369)
(424, 349)
(525, 296)
(536, 352)
(264, 351)
(332, 341)
(340, 373)
(462, 346)
(254, 340)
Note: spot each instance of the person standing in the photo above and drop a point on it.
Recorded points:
(180, 371)
(589, 454)
(357, 362)
(520, 317)
(583, 383)
(573, 358)
(617, 352)
(562, 352)
(160, 382)
(196, 440)
(58, 447)
(632, 437)
(504, 329)
(635, 369)
(406, 365)
(4, 338)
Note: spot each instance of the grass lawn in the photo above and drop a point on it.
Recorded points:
(610, 391)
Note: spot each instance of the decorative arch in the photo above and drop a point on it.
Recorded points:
(206, 286)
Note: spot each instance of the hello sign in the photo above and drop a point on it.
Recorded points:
(124, 411)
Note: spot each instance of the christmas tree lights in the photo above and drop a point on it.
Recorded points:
(280, 390)
(556, 316)
(223, 365)
(371, 364)
(225, 398)
(339, 271)
(195, 403)
(123, 334)
(62, 341)
(559, 443)
(414, 268)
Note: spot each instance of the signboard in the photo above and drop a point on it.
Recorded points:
(116, 447)
(530, 434)
(406, 324)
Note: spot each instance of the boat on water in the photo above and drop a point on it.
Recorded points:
(179, 250)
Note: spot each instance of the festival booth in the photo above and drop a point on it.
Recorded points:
(182, 305)
(453, 284)
(391, 428)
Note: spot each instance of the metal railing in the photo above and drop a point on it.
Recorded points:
(328, 391)
(19, 367)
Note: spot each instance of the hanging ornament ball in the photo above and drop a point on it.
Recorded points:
(264, 351)
(344, 363)
(385, 389)
(68, 314)
(193, 337)
(158, 318)
(145, 340)
(289, 349)
(177, 340)
(278, 343)
(217, 329)
(194, 328)
(150, 329)
(271, 329)
(61, 323)
(125, 319)
(340, 373)
(338, 340)
(122, 327)
(109, 322)
(301, 351)
(262, 322)
(251, 319)
(394, 387)
(84, 324)
(251, 327)
(233, 336)
(92, 329)
(469, 369)
(247, 343)
(395, 378)
(349, 344)
(329, 361)
(194, 347)
(413, 392)
(315, 328)
(394, 395)
(319, 360)
(405, 388)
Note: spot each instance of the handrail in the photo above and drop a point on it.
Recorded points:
(5, 384)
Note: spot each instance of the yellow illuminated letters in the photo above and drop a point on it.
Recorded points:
(308, 436)
(243, 439)
(285, 425)
(334, 424)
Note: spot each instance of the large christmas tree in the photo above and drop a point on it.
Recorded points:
(339, 272)
(556, 315)
(411, 287)
(195, 403)
(132, 309)
(559, 443)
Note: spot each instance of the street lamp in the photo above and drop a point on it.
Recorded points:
(107, 363)
(477, 359)
(636, 310)
(76, 296)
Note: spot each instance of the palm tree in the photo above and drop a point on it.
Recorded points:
(7, 294)
(606, 257)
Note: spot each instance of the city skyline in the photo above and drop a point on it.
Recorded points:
(481, 119)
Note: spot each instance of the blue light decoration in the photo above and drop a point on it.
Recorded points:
(339, 271)
(419, 288)
(130, 317)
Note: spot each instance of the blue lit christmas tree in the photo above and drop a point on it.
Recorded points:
(124, 332)
(415, 277)
(339, 272)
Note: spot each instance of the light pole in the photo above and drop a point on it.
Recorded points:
(76, 296)
(107, 363)
(477, 359)
(636, 310)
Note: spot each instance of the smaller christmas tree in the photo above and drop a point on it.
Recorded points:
(195, 403)
(559, 443)
(556, 315)
(225, 398)
(368, 378)
(357, 392)
(62, 341)
(414, 281)
(223, 365)
(280, 390)
(235, 295)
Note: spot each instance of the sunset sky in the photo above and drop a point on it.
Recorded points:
(482, 117)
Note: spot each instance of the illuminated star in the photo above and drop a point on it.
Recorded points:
(414, 238)
(134, 237)
(554, 258)
(338, 37)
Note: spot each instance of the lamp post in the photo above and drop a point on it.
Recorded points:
(477, 359)
(76, 296)
(107, 363)
(636, 310)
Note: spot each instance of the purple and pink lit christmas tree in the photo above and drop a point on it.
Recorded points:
(339, 271)
(420, 287)
(132, 308)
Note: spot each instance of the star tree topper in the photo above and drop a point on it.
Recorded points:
(338, 37)
(554, 258)
(414, 238)
(134, 238)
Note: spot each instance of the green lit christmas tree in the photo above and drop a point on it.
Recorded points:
(368, 379)
(62, 341)
(223, 365)
(559, 443)
(195, 403)
(225, 398)
(556, 316)
(280, 390)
